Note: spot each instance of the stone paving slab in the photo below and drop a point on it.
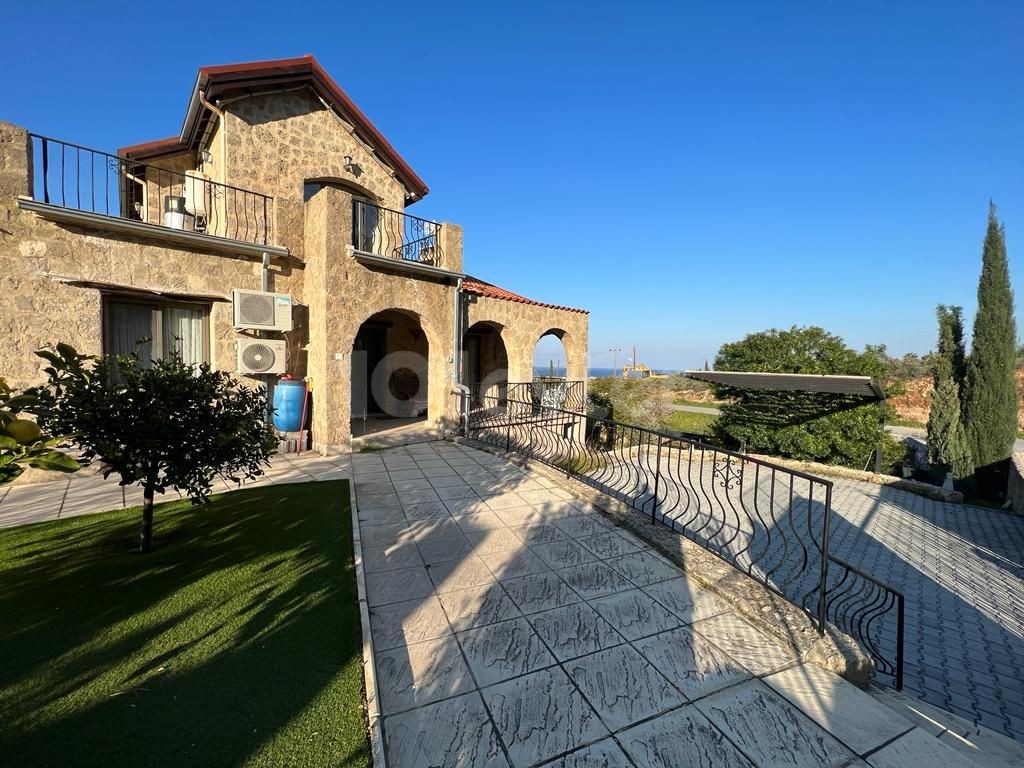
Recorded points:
(562, 654)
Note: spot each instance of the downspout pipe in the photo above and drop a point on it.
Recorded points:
(457, 386)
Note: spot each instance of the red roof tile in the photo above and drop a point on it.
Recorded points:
(487, 290)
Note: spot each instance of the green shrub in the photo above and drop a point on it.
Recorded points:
(833, 429)
(23, 443)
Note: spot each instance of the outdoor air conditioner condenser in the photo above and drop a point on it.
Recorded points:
(260, 311)
(256, 356)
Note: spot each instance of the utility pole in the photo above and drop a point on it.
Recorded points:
(615, 357)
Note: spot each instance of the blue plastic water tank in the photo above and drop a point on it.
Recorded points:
(289, 397)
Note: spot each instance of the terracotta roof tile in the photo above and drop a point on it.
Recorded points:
(487, 290)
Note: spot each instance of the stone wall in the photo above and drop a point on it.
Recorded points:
(36, 310)
(275, 142)
(342, 295)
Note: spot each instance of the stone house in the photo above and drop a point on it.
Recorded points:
(276, 182)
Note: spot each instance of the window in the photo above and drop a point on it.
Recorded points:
(156, 329)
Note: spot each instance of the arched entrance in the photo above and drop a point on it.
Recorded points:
(390, 378)
(485, 363)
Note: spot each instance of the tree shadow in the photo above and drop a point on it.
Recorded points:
(242, 623)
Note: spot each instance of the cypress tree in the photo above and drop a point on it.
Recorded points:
(947, 442)
(990, 392)
(950, 357)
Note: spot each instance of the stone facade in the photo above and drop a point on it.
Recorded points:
(54, 274)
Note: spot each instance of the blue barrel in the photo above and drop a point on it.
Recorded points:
(289, 398)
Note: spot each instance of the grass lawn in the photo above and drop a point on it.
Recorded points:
(236, 642)
(696, 423)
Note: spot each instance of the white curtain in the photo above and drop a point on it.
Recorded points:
(180, 330)
(183, 333)
(127, 326)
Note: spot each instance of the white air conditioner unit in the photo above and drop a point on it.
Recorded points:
(261, 356)
(260, 311)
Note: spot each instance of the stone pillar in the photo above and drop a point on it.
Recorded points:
(451, 246)
(16, 163)
(576, 352)
(328, 227)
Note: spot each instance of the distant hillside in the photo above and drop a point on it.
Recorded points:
(914, 404)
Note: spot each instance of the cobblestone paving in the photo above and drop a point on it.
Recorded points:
(961, 572)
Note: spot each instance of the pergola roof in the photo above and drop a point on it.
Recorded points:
(855, 386)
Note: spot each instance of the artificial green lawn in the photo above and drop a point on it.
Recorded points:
(236, 642)
(694, 423)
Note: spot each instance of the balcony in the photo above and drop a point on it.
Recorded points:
(381, 235)
(89, 187)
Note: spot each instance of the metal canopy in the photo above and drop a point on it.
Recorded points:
(855, 386)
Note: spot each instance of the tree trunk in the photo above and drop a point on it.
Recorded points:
(146, 532)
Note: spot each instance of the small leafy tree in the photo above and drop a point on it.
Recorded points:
(22, 442)
(171, 425)
(834, 429)
(990, 391)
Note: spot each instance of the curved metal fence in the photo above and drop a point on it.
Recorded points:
(768, 521)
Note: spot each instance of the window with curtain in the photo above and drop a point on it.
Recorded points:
(156, 329)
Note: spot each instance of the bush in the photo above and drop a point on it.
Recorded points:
(171, 425)
(833, 429)
(22, 442)
(641, 402)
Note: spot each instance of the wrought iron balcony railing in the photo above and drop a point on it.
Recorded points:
(766, 520)
(395, 235)
(79, 178)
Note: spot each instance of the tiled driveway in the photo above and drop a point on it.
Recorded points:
(961, 570)
(514, 626)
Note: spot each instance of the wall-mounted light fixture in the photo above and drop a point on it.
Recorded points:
(206, 156)
(349, 165)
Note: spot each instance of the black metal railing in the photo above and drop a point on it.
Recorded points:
(864, 607)
(75, 177)
(395, 235)
(768, 521)
(551, 392)
(544, 392)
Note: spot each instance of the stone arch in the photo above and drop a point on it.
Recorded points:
(313, 184)
(550, 350)
(394, 369)
(485, 361)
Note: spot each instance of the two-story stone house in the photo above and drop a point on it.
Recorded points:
(276, 182)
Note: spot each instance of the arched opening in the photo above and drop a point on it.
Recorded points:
(390, 378)
(485, 364)
(549, 356)
(551, 386)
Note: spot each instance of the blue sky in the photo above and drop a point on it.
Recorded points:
(689, 172)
